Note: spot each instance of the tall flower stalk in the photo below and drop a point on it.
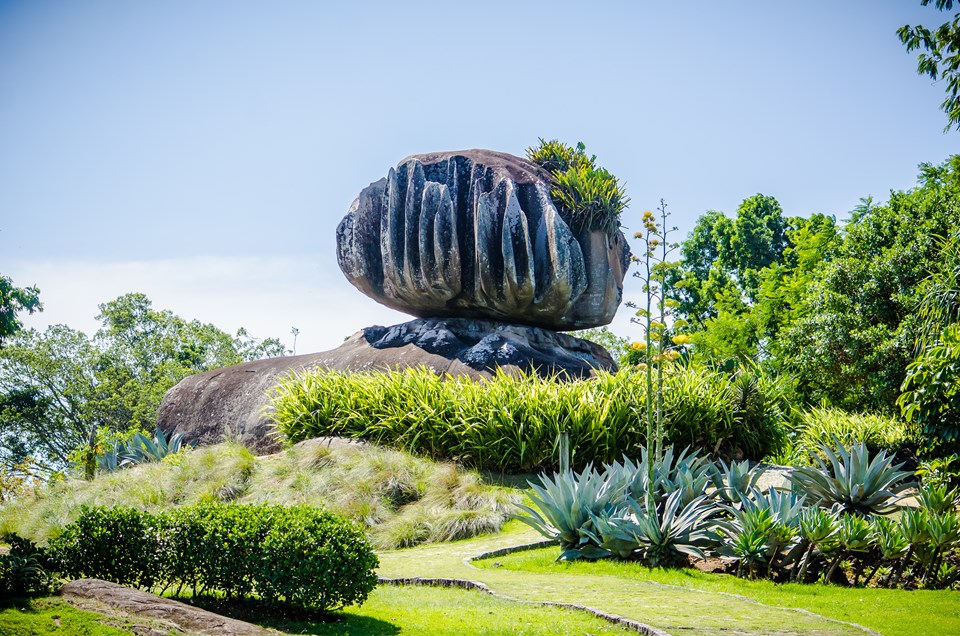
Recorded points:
(657, 347)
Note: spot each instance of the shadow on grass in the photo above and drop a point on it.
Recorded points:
(294, 620)
(20, 603)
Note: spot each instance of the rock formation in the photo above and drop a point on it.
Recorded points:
(168, 616)
(475, 234)
(207, 406)
(471, 243)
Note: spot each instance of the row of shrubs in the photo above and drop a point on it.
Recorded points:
(512, 423)
(297, 555)
(829, 525)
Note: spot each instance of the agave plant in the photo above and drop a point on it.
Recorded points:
(938, 498)
(785, 509)
(888, 540)
(567, 503)
(141, 449)
(854, 537)
(818, 529)
(913, 527)
(686, 473)
(943, 530)
(670, 529)
(736, 480)
(853, 481)
(746, 538)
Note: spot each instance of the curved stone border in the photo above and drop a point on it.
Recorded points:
(543, 544)
(467, 584)
(754, 601)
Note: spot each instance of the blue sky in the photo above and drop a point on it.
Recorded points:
(203, 152)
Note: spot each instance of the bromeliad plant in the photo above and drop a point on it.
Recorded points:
(587, 196)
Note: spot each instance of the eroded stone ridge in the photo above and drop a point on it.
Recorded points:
(475, 234)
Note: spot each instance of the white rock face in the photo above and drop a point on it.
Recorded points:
(474, 234)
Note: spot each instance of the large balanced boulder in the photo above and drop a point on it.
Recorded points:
(475, 234)
(234, 401)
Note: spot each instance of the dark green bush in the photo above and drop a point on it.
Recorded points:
(315, 560)
(300, 555)
(24, 569)
(512, 423)
(115, 544)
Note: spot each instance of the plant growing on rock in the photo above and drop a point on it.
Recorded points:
(587, 196)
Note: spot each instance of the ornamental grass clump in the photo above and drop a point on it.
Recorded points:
(512, 423)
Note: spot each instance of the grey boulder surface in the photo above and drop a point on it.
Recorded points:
(233, 401)
(167, 616)
(475, 234)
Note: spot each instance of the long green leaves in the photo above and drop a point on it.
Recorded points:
(510, 423)
(854, 481)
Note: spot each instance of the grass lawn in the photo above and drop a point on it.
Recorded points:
(52, 615)
(890, 612)
(433, 611)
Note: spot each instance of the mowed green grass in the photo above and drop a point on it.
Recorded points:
(424, 611)
(52, 615)
(430, 611)
(890, 612)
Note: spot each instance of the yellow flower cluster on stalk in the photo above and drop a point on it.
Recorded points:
(658, 347)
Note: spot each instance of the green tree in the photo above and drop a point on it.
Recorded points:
(941, 61)
(14, 300)
(855, 329)
(719, 282)
(931, 389)
(59, 388)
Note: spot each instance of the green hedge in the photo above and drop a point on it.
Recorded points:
(299, 555)
(512, 423)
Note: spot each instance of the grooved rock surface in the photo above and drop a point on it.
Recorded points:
(207, 405)
(475, 234)
(191, 620)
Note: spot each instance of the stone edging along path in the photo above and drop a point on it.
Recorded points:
(486, 549)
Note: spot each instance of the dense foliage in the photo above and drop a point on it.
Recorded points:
(14, 300)
(829, 528)
(587, 196)
(297, 555)
(941, 61)
(513, 423)
(24, 569)
(61, 390)
(844, 309)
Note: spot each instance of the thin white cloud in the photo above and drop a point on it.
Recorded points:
(267, 296)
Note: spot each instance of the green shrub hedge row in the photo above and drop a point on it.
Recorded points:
(512, 423)
(298, 555)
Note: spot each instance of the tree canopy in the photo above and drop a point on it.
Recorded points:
(59, 387)
(941, 59)
(14, 300)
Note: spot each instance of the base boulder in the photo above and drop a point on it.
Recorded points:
(233, 400)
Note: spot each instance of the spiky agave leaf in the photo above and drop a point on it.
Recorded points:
(566, 501)
(886, 536)
(860, 485)
(938, 498)
(670, 529)
(736, 479)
